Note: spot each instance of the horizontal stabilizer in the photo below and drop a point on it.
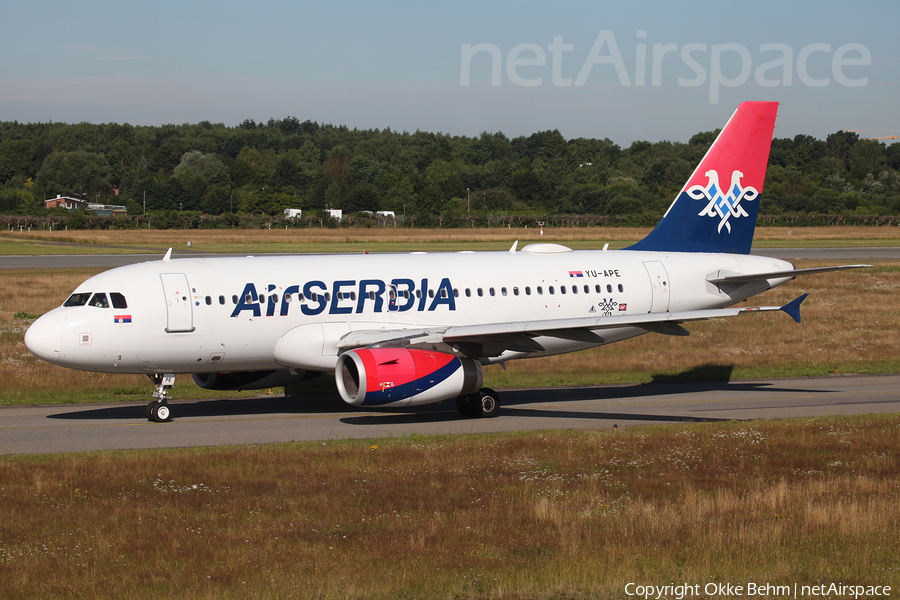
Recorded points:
(742, 278)
(793, 307)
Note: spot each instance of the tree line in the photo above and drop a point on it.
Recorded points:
(209, 173)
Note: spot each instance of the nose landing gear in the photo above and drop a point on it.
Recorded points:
(158, 410)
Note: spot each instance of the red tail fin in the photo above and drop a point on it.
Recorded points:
(717, 208)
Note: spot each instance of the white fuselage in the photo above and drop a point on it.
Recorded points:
(229, 314)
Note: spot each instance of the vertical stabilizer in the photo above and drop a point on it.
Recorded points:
(716, 209)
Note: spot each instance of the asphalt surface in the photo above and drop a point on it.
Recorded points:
(65, 428)
(108, 261)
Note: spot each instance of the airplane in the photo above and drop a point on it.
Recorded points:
(403, 330)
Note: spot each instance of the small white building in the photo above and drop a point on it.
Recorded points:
(335, 213)
(386, 213)
(66, 202)
(292, 213)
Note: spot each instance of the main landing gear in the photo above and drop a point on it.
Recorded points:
(481, 404)
(158, 410)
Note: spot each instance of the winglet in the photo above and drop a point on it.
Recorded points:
(168, 255)
(515, 244)
(793, 307)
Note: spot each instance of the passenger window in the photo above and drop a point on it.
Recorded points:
(353, 295)
(551, 290)
(503, 291)
(222, 300)
(77, 299)
(248, 299)
(418, 293)
(99, 300)
(443, 292)
(540, 291)
(574, 289)
(234, 299)
(431, 293)
(480, 292)
(274, 299)
(118, 300)
(515, 291)
(597, 288)
(468, 293)
(587, 289)
(327, 296)
(288, 298)
(209, 300)
(621, 288)
(562, 289)
(527, 291)
(492, 292)
(455, 293)
(609, 288)
(262, 298)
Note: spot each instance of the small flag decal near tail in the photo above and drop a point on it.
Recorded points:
(122, 319)
(576, 273)
(716, 209)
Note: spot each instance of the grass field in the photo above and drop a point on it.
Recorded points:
(396, 240)
(563, 514)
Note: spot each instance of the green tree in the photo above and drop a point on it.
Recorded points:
(73, 173)
(197, 173)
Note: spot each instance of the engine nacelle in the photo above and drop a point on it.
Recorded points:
(248, 380)
(404, 377)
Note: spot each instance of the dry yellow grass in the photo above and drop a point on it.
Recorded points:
(175, 237)
(563, 514)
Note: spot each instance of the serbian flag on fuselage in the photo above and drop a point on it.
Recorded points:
(122, 319)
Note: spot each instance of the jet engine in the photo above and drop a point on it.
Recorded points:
(400, 377)
(249, 380)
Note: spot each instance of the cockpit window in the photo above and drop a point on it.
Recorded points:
(99, 300)
(79, 299)
(118, 300)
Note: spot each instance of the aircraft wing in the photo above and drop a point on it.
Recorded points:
(491, 339)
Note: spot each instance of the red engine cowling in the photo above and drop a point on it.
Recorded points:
(404, 377)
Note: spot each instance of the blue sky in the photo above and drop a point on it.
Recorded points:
(645, 69)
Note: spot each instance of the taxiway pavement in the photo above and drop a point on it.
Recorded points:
(66, 428)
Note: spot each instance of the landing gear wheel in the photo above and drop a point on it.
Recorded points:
(469, 406)
(159, 412)
(482, 403)
(490, 406)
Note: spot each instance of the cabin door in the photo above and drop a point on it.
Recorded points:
(179, 313)
(659, 285)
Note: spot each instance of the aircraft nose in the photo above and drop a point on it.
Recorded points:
(44, 338)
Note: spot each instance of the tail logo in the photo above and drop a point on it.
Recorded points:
(721, 205)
